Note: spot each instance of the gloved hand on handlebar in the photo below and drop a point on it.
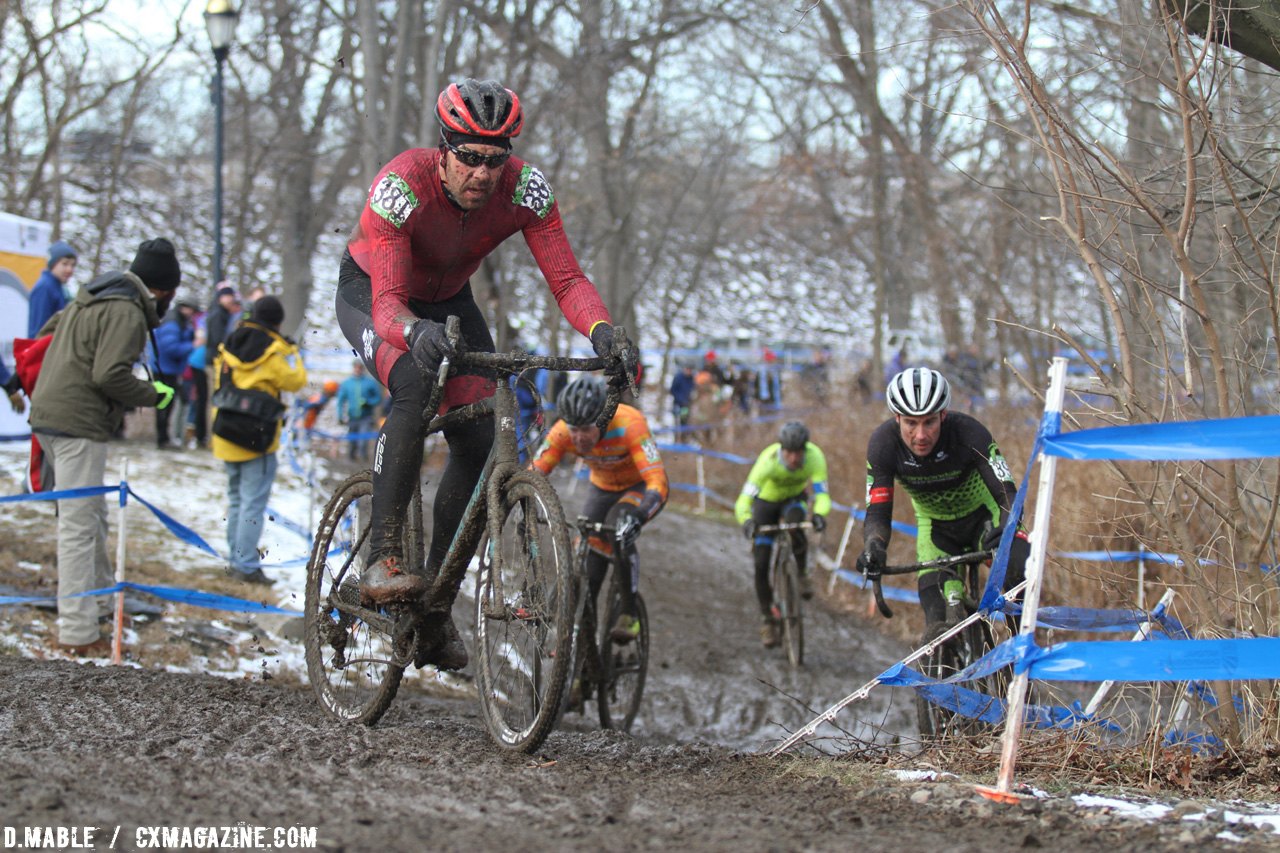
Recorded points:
(871, 561)
(627, 529)
(621, 362)
(749, 528)
(819, 523)
(991, 538)
(429, 345)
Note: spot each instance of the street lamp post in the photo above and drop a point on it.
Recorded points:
(220, 17)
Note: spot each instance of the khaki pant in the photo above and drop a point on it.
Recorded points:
(82, 536)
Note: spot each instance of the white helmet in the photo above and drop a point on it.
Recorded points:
(918, 391)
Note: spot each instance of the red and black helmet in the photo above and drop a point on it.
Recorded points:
(481, 108)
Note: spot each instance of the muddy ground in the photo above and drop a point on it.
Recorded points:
(90, 745)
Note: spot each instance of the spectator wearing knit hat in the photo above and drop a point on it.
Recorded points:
(50, 296)
(252, 367)
(86, 383)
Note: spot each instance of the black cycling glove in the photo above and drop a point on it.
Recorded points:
(872, 559)
(429, 345)
(749, 528)
(819, 523)
(627, 530)
(991, 539)
(621, 363)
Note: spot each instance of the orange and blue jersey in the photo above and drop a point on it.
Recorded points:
(625, 456)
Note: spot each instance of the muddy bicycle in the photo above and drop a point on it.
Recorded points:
(951, 650)
(524, 587)
(613, 673)
(784, 577)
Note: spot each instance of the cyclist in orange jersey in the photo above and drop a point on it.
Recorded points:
(628, 482)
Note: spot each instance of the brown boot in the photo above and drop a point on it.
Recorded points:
(770, 635)
(388, 581)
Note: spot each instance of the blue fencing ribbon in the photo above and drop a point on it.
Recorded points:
(186, 534)
(65, 494)
(1223, 438)
(209, 600)
(195, 598)
(1176, 660)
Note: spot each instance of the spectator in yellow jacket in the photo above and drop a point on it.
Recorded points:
(253, 366)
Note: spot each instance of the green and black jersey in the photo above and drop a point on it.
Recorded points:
(964, 473)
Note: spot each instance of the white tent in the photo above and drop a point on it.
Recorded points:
(24, 247)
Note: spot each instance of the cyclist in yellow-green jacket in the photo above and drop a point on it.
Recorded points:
(777, 490)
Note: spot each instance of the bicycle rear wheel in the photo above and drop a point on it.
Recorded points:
(623, 667)
(786, 592)
(524, 615)
(351, 662)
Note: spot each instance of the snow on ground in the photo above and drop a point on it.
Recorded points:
(190, 487)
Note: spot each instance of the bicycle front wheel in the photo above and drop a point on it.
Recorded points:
(786, 592)
(524, 615)
(351, 662)
(623, 667)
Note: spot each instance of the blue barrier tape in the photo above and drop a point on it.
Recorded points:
(64, 494)
(25, 437)
(1194, 441)
(196, 598)
(289, 524)
(1177, 660)
(186, 534)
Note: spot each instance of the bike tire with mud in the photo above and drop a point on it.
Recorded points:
(623, 667)
(351, 663)
(525, 615)
(786, 592)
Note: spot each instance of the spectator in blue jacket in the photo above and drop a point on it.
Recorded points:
(50, 295)
(358, 399)
(175, 339)
(682, 388)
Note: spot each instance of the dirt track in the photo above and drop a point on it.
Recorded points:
(82, 745)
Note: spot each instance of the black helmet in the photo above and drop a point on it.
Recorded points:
(794, 436)
(582, 401)
(482, 108)
(917, 392)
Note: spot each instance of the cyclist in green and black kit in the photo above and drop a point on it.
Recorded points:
(777, 491)
(958, 480)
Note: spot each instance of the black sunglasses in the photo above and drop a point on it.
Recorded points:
(474, 159)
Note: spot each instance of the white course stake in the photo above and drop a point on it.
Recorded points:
(117, 639)
(1017, 699)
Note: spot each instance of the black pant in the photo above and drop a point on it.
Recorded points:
(398, 457)
(199, 416)
(604, 506)
(162, 415)
(960, 536)
(790, 511)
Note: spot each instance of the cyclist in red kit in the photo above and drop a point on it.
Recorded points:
(431, 217)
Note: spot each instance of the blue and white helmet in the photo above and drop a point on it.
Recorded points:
(918, 391)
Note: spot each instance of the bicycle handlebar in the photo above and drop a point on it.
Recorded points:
(785, 526)
(940, 563)
(518, 361)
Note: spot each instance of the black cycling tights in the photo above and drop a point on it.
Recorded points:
(398, 462)
(769, 512)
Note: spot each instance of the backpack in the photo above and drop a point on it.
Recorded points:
(246, 417)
